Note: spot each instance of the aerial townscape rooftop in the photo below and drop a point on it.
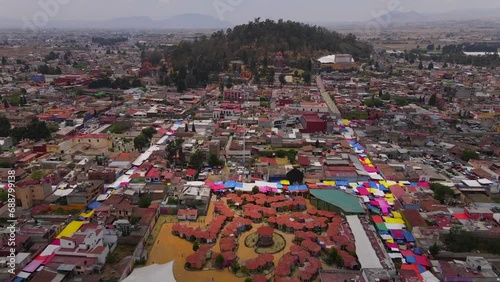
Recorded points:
(192, 149)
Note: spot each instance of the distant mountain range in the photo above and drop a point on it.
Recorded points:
(184, 21)
(457, 15)
(201, 21)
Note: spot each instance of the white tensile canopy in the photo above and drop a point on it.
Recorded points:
(153, 273)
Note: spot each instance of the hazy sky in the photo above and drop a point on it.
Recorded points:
(235, 11)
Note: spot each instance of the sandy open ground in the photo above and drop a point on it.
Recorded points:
(168, 247)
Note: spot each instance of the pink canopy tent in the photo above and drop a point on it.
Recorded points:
(363, 192)
(384, 206)
(265, 189)
(370, 169)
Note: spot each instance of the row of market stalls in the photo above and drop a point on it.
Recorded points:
(378, 198)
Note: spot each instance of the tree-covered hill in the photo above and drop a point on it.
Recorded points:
(257, 42)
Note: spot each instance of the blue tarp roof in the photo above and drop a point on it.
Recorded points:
(94, 205)
(411, 259)
(383, 188)
(421, 268)
(342, 183)
(297, 188)
(230, 184)
(18, 279)
(239, 185)
(408, 236)
(417, 251)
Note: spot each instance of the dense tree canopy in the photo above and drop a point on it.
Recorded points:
(469, 155)
(35, 130)
(197, 159)
(4, 126)
(441, 192)
(109, 41)
(256, 43)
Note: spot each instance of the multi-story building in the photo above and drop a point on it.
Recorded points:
(95, 141)
(32, 192)
(85, 250)
(84, 193)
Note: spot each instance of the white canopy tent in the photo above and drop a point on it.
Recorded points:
(153, 273)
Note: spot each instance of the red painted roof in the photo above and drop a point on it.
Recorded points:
(265, 231)
(191, 172)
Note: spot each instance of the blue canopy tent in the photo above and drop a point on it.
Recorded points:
(417, 251)
(421, 268)
(342, 183)
(408, 236)
(383, 188)
(297, 188)
(230, 184)
(94, 205)
(411, 259)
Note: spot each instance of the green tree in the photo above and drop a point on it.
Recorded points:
(181, 86)
(37, 130)
(235, 267)
(420, 66)
(37, 175)
(433, 100)
(149, 132)
(442, 192)
(4, 196)
(140, 142)
(282, 80)
(4, 61)
(145, 202)
(374, 102)
(401, 101)
(196, 246)
(4, 126)
(229, 83)
(219, 261)
(333, 257)
(214, 161)
(15, 99)
(5, 103)
(469, 155)
(306, 76)
(317, 143)
(270, 79)
(434, 250)
(197, 159)
(255, 190)
(386, 96)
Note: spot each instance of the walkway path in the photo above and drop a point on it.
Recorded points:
(326, 97)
